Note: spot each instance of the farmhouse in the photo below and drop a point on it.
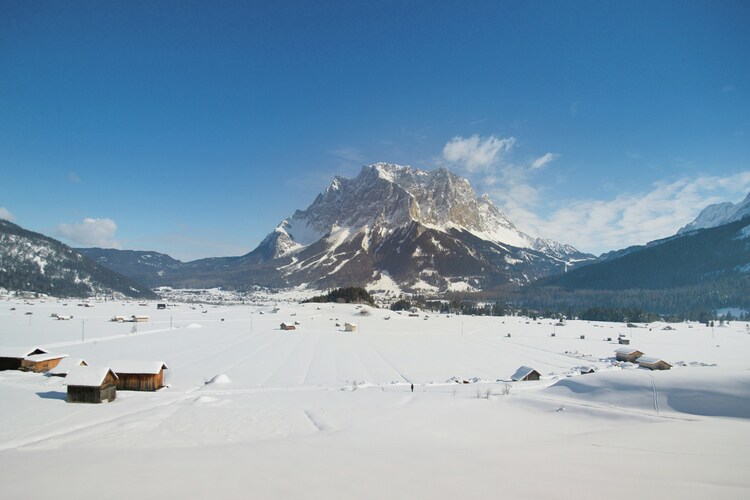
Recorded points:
(139, 375)
(627, 354)
(653, 363)
(11, 358)
(91, 384)
(525, 373)
(350, 327)
(65, 365)
(41, 363)
(288, 326)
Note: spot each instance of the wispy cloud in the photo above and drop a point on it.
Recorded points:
(475, 154)
(74, 178)
(542, 161)
(727, 89)
(349, 154)
(5, 214)
(91, 232)
(630, 218)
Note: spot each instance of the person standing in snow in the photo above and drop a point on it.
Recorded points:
(412, 387)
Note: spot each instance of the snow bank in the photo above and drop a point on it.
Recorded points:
(220, 379)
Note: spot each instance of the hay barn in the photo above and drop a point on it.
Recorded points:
(525, 373)
(91, 384)
(627, 354)
(41, 363)
(287, 326)
(653, 363)
(139, 375)
(11, 358)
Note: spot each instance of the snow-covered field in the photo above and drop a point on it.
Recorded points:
(322, 413)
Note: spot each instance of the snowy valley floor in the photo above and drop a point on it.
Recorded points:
(320, 413)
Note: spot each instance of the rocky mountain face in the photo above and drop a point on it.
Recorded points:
(33, 262)
(425, 230)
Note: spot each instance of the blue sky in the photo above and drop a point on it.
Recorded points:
(194, 128)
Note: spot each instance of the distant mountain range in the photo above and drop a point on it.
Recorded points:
(33, 262)
(427, 231)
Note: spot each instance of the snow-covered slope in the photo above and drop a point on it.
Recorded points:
(718, 215)
(33, 262)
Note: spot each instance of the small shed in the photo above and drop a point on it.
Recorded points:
(65, 365)
(11, 358)
(288, 326)
(91, 384)
(525, 373)
(585, 370)
(139, 319)
(627, 354)
(350, 327)
(653, 363)
(41, 363)
(139, 375)
(623, 341)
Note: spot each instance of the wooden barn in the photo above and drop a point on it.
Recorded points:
(11, 358)
(525, 373)
(627, 354)
(41, 363)
(653, 363)
(139, 375)
(65, 365)
(91, 384)
(288, 326)
(585, 370)
(350, 327)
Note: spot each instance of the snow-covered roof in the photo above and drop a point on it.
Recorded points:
(522, 373)
(142, 367)
(36, 358)
(626, 350)
(88, 376)
(66, 365)
(650, 360)
(19, 352)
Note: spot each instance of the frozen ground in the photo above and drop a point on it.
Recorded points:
(320, 413)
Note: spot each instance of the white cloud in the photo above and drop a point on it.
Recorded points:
(544, 160)
(5, 214)
(475, 154)
(74, 178)
(91, 232)
(349, 154)
(630, 218)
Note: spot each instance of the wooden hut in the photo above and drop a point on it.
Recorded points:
(288, 326)
(91, 384)
(11, 358)
(139, 375)
(653, 363)
(41, 363)
(627, 354)
(525, 373)
(585, 370)
(65, 365)
(139, 319)
(350, 327)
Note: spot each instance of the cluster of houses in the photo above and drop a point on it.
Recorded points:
(632, 355)
(87, 384)
(130, 319)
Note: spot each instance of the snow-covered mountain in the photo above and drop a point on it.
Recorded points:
(36, 263)
(718, 215)
(425, 229)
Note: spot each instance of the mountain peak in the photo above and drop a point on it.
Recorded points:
(718, 214)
